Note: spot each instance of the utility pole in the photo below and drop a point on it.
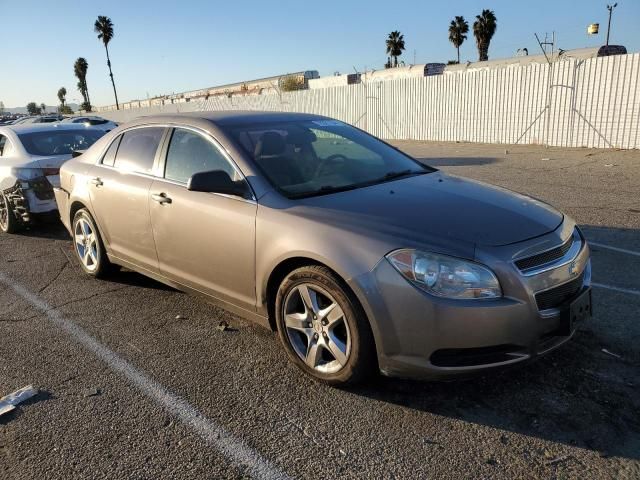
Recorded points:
(610, 8)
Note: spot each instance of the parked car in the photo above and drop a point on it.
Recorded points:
(42, 119)
(360, 257)
(20, 120)
(98, 122)
(30, 160)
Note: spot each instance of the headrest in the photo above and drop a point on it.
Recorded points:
(300, 137)
(270, 144)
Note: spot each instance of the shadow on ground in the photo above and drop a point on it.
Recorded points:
(50, 228)
(135, 279)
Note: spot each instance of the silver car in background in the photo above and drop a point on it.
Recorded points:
(93, 121)
(362, 258)
(30, 160)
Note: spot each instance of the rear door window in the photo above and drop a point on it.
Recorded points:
(137, 149)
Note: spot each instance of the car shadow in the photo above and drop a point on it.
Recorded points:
(456, 161)
(554, 398)
(49, 227)
(135, 279)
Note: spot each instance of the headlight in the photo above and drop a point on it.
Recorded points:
(446, 276)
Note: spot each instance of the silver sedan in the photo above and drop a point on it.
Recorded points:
(30, 160)
(360, 257)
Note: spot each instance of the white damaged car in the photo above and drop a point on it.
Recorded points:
(30, 159)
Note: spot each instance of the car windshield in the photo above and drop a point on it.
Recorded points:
(316, 157)
(58, 142)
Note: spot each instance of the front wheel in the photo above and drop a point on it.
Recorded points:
(88, 245)
(323, 328)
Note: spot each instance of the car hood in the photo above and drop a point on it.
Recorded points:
(438, 205)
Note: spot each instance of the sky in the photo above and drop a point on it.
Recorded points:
(161, 47)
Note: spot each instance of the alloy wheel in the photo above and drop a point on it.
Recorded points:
(4, 212)
(86, 244)
(317, 328)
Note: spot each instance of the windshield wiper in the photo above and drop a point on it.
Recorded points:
(333, 189)
(323, 190)
(401, 173)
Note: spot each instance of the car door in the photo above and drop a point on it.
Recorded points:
(119, 189)
(205, 241)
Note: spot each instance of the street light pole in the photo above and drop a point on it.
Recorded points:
(610, 8)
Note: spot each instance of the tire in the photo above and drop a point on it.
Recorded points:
(331, 341)
(88, 245)
(8, 221)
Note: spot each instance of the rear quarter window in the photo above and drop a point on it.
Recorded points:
(109, 157)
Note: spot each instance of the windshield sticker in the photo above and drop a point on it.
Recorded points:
(328, 123)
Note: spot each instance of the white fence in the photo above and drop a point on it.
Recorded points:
(570, 103)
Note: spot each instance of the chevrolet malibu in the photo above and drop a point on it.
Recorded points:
(30, 159)
(360, 257)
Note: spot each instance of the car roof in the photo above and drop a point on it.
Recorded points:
(229, 117)
(77, 117)
(45, 127)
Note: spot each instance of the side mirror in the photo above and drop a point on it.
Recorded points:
(217, 181)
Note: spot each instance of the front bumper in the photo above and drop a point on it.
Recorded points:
(422, 336)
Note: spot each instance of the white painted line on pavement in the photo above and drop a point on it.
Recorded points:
(616, 289)
(615, 249)
(233, 448)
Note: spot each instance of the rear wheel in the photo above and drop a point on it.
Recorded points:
(323, 328)
(8, 221)
(88, 245)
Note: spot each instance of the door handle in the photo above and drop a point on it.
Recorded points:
(97, 182)
(161, 198)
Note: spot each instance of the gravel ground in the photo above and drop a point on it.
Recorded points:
(571, 414)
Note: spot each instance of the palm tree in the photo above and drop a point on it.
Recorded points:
(80, 69)
(62, 96)
(43, 108)
(32, 108)
(458, 28)
(483, 29)
(395, 46)
(104, 28)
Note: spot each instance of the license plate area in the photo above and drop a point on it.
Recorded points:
(577, 312)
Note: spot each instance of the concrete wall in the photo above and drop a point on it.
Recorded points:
(571, 103)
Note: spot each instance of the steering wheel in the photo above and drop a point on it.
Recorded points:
(336, 158)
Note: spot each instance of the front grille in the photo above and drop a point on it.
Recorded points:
(559, 295)
(545, 257)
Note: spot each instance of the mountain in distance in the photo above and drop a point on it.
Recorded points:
(50, 108)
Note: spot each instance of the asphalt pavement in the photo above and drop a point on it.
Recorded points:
(136, 380)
